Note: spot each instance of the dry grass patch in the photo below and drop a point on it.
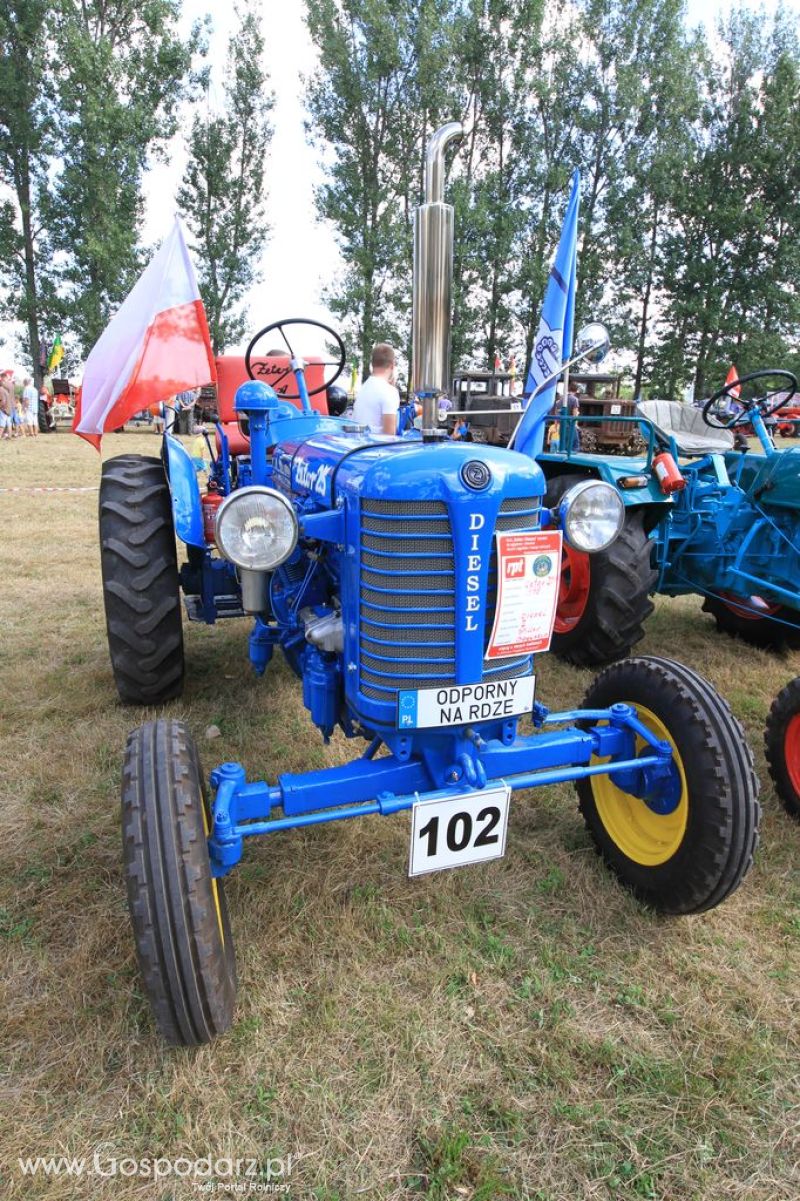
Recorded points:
(521, 1030)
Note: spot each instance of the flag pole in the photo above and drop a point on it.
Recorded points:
(555, 326)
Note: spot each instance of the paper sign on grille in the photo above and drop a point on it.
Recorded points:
(528, 573)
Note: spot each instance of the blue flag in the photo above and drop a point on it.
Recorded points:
(553, 343)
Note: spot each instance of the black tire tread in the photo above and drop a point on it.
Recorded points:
(141, 591)
(619, 603)
(766, 633)
(187, 969)
(785, 706)
(723, 790)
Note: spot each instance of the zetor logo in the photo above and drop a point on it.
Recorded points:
(314, 481)
(515, 568)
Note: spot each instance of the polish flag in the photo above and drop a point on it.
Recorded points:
(156, 345)
(731, 378)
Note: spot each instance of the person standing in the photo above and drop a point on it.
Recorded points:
(45, 411)
(30, 404)
(7, 405)
(378, 400)
(169, 412)
(574, 410)
(184, 405)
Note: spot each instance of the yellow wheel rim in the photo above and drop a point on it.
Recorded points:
(214, 885)
(644, 836)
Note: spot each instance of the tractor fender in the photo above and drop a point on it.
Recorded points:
(184, 492)
(610, 469)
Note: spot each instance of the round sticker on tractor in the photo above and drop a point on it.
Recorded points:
(542, 565)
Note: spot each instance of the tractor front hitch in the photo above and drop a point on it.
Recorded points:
(389, 785)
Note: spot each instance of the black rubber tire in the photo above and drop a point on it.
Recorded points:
(785, 706)
(764, 632)
(185, 950)
(717, 848)
(621, 580)
(141, 592)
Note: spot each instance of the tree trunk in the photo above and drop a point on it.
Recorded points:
(637, 383)
(31, 300)
(672, 379)
(367, 326)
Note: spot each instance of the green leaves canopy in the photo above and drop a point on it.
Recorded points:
(688, 159)
(222, 196)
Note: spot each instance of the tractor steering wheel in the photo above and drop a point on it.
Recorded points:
(275, 382)
(726, 421)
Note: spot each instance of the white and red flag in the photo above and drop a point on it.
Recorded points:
(156, 345)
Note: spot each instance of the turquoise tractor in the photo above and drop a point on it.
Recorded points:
(701, 517)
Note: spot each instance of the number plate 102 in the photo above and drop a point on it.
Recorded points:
(454, 831)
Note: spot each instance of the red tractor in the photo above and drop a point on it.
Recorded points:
(788, 421)
(273, 369)
(782, 746)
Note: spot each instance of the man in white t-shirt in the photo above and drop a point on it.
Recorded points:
(378, 400)
(30, 408)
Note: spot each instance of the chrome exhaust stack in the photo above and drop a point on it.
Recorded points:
(432, 291)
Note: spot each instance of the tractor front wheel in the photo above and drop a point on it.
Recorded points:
(139, 564)
(759, 622)
(604, 599)
(177, 908)
(782, 746)
(692, 857)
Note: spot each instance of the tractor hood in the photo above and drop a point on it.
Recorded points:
(325, 466)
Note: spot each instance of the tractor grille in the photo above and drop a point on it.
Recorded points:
(408, 594)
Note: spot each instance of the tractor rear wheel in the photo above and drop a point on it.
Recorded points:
(177, 908)
(770, 626)
(693, 857)
(782, 746)
(604, 599)
(141, 592)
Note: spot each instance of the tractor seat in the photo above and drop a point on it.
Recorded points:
(685, 424)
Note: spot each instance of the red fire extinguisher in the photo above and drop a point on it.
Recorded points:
(211, 502)
(668, 473)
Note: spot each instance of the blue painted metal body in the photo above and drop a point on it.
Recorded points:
(383, 786)
(185, 492)
(732, 531)
(391, 589)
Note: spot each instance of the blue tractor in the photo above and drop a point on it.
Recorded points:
(703, 515)
(407, 581)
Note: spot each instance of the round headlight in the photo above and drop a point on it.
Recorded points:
(591, 515)
(256, 528)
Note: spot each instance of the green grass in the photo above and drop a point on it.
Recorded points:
(520, 1030)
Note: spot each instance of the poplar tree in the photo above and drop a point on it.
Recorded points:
(88, 90)
(499, 45)
(378, 93)
(223, 197)
(731, 269)
(28, 136)
(121, 74)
